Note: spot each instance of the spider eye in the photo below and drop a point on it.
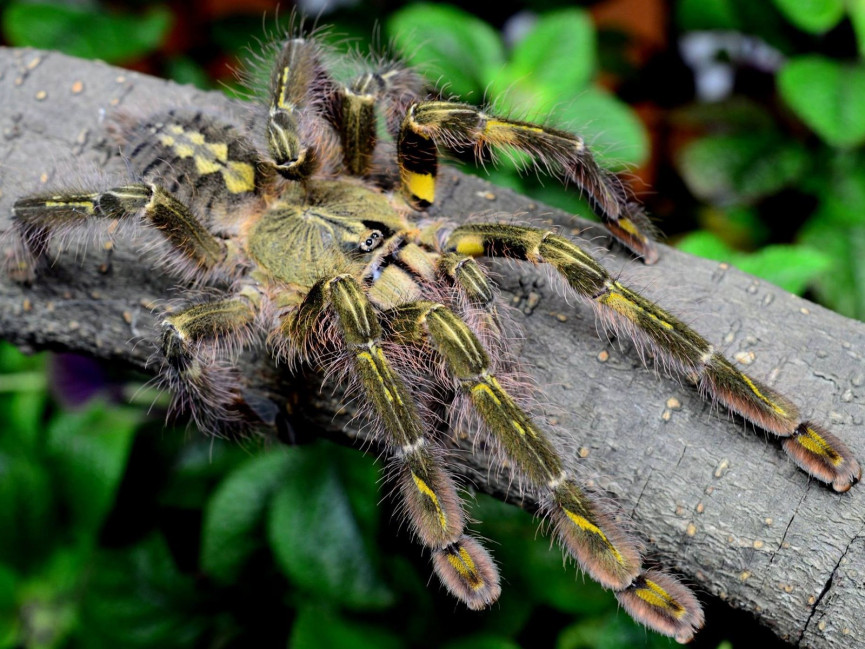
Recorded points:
(372, 241)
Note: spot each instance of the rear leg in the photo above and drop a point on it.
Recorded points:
(194, 345)
(588, 532)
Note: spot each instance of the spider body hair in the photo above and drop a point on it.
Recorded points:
(309, 229)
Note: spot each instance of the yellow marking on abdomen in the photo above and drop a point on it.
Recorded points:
(239, 177)
(585, 524)
(424, 488)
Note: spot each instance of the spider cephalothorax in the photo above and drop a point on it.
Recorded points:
(307, 229)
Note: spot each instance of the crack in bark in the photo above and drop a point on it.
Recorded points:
(826, 587)
(787, 529)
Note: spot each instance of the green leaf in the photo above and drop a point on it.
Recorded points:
(706, 14)
(26, 511)
(93, 33)
(236, 511)
(837, 228)
(612, 631)
(828, 96)
(741, 168)
(856, 11)
(317, 540)
(183, 69)
(707, 245)
(842, 287)
(815, 16)
(614, 132)
(792, 267)
(89, 449)
(556, 59)
(48, 601)
(448, 44)
(482, 642)
(319, 628)
(137, 598)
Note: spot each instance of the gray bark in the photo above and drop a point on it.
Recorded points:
(714, 501)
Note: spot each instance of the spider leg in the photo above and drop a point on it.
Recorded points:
(477, 294)
(37, 217)
(299, 91)
(430, 124)
(191, 342)
(673, 344)
(431, 501)
(590, 535)
(353, 110)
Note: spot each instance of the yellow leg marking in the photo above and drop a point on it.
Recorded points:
(423, 186)
(620, 302)
(584, 524)
(471, 245)
(87, 205)
(367, 357)
(349, 299)
(778, 409)
(280, 102)
(483, 387)
(381, 358)
(818, 446)
(463, 339)
(423, 487)
(628, 226)
(463, 564)
(497, 123)
(657, 597)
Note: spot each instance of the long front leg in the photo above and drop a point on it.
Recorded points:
(431, 124)
(672, 345)
(40, 217)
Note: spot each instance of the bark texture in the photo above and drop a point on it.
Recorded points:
(713, 501)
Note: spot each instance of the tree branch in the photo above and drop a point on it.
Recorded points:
(713, 501)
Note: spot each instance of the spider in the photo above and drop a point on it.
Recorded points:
(304, 229)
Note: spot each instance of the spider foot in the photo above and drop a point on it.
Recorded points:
(662, 603)
(468, 572)
(820, 453)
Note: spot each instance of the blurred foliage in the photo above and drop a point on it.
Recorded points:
(117, 532)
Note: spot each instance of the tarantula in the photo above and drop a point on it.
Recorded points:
(306, 224)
